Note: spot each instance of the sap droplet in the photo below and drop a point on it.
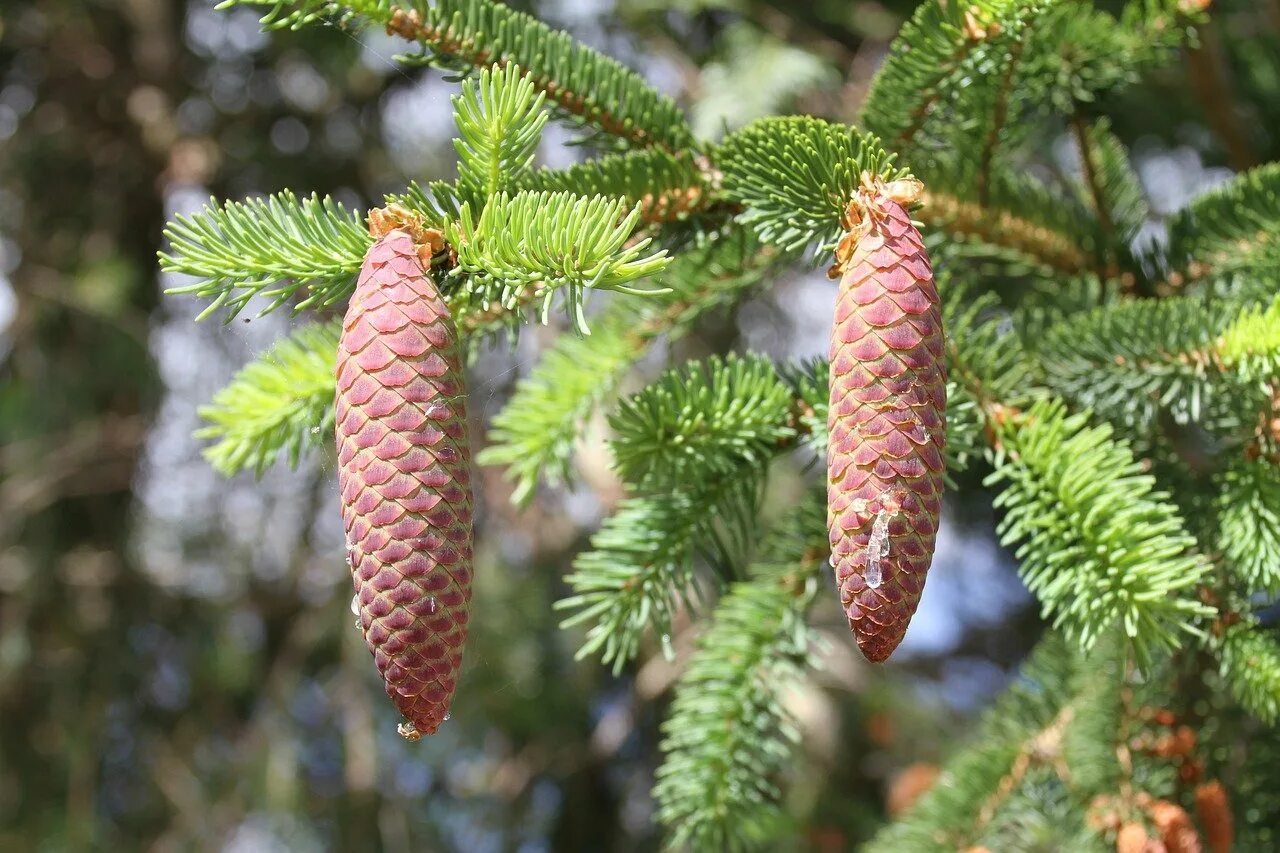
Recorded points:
(432, 605)
(447, 715)
(873, 576)
(355, 604)
(668, 651)
(877, 549)
(351, 557)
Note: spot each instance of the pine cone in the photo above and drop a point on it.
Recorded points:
(1175, 827)
(887, 428)
(404, 475)
(1132, 838)
(1214, 811)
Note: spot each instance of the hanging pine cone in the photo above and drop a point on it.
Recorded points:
(404, 457)
(886, 422)
(1213, 810)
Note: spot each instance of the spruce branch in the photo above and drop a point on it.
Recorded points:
(729, 734)
(694, 425)
(794, 177)
(272, 247)
(1251, 344)
(1114, 194)
(1021, 217)
(535, 432)
(1129, 361)
(1248, 506)
(641, 565)
(1029, 715)
(549, 242)
(1098, 546)
(1250, 665)
(500, 120)
(924, 59)
(986, 361)
(586, 87)
(666, 187)
(282, 403)
(1233, 228)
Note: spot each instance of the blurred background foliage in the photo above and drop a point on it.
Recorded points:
(177, 665)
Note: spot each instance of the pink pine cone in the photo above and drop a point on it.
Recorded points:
(887, 418)
(404, 475)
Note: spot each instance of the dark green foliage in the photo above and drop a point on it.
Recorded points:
(729, 734)
(1130, 361)
(693, 425)
(1249, 523)
(1251, 668)
(795, 176)
(1234, 227)
(1097, 544)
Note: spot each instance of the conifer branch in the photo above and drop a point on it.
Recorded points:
(729, 733)
(794, 177)
(928, 51)
(640, 568)
(1099, 546)
(549, 242)
(1000, 110)
(1034, 709)
(1001, 227)
(534, 433)
(281, 403)
(1233, 228)
(272, 247)
(1249, 523)
(500, 121)
(1250, 660)
(1130, 361)
(666, 187)
(585, 85)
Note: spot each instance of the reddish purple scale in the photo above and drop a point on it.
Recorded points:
(405, 479)
(886, 423)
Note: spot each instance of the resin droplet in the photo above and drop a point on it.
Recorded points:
(873, 576)
(877, 549)
(355, 605)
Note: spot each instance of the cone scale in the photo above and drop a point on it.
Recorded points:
(886, 421)
(404, 474)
